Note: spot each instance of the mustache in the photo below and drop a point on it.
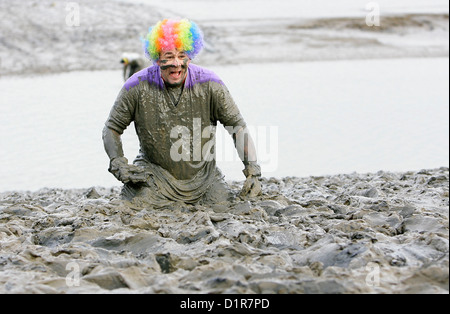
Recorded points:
(165, 67)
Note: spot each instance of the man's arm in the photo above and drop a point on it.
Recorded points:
(226, 111)
(247, 153)
(112, 143)
(245, 146)
(118, 164)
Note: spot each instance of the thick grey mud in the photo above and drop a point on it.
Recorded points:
(355, 233)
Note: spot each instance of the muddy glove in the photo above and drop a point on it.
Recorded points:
(126, 173)
(252, 186)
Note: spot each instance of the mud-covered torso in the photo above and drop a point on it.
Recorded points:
(168, 134)
(176, 135)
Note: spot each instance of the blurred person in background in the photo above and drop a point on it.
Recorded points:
(132, 63)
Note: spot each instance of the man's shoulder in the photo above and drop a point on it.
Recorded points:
(150, 74)
(199, 75)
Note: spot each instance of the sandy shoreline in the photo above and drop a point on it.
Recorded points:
(44, 39)
(352, 233)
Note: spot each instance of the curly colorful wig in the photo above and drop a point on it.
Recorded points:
(183, 35)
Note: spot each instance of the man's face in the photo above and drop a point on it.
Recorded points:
(173, 65)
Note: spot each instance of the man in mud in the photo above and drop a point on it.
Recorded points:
(175, 106)
(132, 63)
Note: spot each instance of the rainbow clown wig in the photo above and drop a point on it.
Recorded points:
(183, 35)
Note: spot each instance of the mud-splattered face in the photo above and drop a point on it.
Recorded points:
(173, 65)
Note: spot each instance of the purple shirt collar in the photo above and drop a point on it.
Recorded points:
(196, 75)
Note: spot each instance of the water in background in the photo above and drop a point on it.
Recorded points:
(329, 117)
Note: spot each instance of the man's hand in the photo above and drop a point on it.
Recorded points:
(126, 173)
(252, 185)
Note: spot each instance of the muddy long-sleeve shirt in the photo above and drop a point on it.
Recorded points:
(177, 138)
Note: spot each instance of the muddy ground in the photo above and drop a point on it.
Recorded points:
(351, 233)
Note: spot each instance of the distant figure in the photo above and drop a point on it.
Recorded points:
(132, 63)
